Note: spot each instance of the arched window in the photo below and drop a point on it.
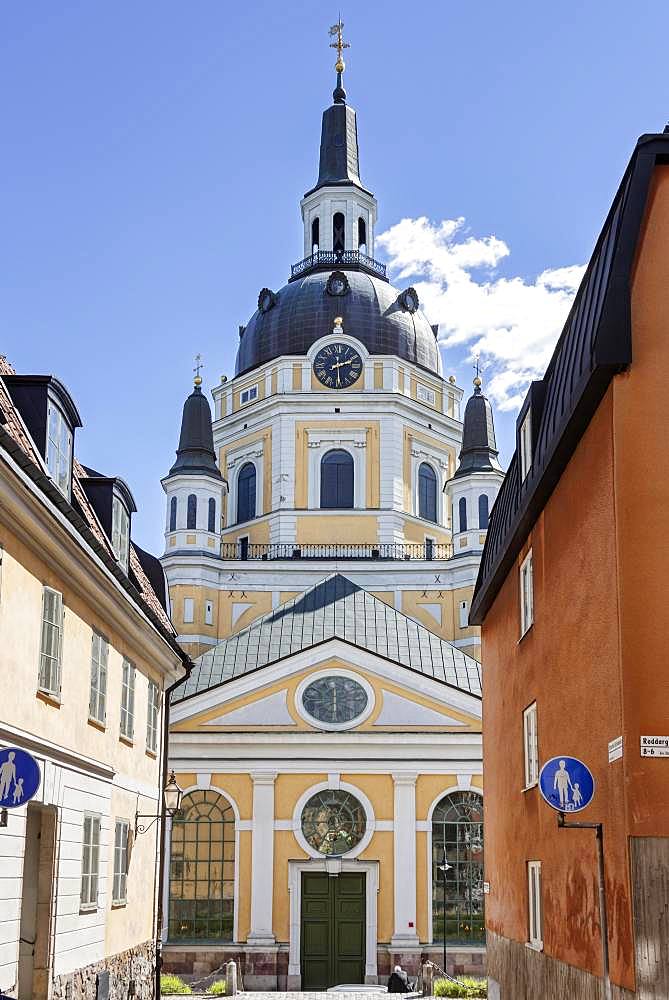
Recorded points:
(462, 511)
(457, 893)
(427, 492)
(483, 511)
(211, 515)
(202, 868)
(337, 480)
(338, 232)
(315, 235)
(362, 235)
(191, 511)
(173, 514)
(246, 493)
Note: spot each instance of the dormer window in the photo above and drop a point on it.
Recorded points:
(525, 439)
(120, 531)
(59, 448)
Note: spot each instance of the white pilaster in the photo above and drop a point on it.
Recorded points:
(262, 858)
(404, 861)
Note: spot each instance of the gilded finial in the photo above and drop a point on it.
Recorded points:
(477, 369)
(336, 32)
(197, 381)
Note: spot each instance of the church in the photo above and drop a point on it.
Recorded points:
(324, 528)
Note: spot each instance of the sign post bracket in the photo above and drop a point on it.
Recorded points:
(603, 922)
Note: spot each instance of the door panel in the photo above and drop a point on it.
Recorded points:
(332, 929)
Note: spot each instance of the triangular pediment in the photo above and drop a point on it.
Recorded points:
(335, 609)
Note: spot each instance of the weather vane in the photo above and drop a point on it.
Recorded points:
(336, 32)
(198, 366)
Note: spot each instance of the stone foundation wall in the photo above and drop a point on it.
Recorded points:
(517, 972)
(267, 968)
(136, 965)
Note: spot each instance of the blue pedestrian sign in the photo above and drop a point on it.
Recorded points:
(20, 777)
(566, 784)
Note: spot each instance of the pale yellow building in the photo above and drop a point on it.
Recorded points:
(322, 540)
(87, 655)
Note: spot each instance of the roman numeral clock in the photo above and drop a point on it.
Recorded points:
(337, 366)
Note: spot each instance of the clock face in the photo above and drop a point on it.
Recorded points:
(337, 366)
(335, 700)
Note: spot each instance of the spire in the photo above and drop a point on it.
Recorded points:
(339, 162)
(479, 447)
(195, 454)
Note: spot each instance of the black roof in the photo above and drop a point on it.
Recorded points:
(595, 344)
(335, 608)
(304, 312)
(195, 454)
(339, 161)
(479, 447)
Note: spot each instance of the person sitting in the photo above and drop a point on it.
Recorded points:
(398, 981)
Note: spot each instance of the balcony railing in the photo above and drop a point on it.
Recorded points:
(341, 258)
(399, 551)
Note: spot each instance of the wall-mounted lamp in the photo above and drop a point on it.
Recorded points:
(172, 799)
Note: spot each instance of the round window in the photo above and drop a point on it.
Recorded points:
(334, 700)
(333, 822)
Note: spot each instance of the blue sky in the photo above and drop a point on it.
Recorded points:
(154, 155)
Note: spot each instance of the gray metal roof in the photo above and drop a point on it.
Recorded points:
(333, 609)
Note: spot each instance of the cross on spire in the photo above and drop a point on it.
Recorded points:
(198, 367)
(336, 32)
(477, 369)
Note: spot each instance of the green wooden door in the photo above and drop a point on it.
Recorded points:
(333, 929)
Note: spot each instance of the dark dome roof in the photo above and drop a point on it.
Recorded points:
(304, 312)
(195, 454)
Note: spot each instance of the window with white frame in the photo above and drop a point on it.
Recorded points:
(120, 879)
(98, 696)
(188, 609)
(535, 916)
(90, 862)
(424, 394)
(531, 745)
(120, 531)
(526, 445)
(51, 641)
(526, 594)
(248, 395)
(128, 700)
(464, 614)
(59, 448)
(209, 612)
(152, 717)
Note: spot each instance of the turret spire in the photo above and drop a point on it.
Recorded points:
(479, 447)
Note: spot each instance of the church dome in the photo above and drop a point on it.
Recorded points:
(303, 311)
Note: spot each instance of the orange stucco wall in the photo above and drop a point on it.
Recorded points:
(594, 658)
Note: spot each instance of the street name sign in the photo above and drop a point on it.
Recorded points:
(566, 784)
(20, 777)
(655, 746)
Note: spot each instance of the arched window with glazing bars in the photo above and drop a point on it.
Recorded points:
(337, 480)
(202, 869)
(246, 493)
(427, 492)
(457, 890)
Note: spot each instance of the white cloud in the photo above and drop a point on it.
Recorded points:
(512, 322)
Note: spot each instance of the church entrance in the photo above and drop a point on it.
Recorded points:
(332, 929)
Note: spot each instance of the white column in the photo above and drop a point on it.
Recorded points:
(262, 858)
(404, 860)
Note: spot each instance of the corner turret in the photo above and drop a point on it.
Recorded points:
(475, 484)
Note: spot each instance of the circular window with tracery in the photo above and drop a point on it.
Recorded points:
(335, 700)
(333, 822)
